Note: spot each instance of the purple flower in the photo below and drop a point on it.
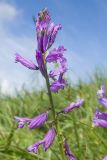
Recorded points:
(22, 121)
(99, 122)
(58, 74)
(58, 84)
(38, 120)
(41, 62)
(54, 32)
(34, 122)
(34, 147)
(70, 156)
(55, 54)
(25, 62)
(42, 21)
(62, 62)
(54, 73)
(100, 119)
(100, 115)
(105, 158)
(101, 92)
(46, 142)
(46, 31)
(73, 105)
(103, 101)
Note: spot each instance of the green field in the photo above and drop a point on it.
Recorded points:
(86, 142)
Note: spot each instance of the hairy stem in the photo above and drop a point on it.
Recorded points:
(60, 137)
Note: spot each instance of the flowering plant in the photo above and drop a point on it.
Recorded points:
(55, 81)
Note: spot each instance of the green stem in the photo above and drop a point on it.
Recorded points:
(75, 130)
(60, 137)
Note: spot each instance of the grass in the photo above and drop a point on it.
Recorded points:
(86, 142)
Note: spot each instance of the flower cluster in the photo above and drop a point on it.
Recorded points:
(100, 118)
(39, 120)
(46, 34)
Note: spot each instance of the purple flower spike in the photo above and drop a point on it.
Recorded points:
(46, 31)
(38, 120)
(22, 121)
(25, 62)
(68, 153)
(103, 101)
(101, 92)
(100, 115)
(99, 122)
(105, 158)
(73, 105)
(46, 142)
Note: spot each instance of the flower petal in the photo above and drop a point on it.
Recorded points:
(49, 138)
(100, 115)
(22, 121)
(38, 120)
(40, 61)
(25, 62)
(99, 122)
(73, 105)
(54, 33)
(55, 54)
(101, 92)
(103, 101)
(68, 153)
(34, 147)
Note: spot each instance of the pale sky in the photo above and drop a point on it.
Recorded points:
(84, 35)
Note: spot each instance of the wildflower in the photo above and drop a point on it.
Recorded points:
(34, 122)
(60, 70)
(46, 30)
(55, 54)
(103, 101)
(100, 115)
(100, 118)
(46, 34)
(70, 156)
(22, 121)
(40, 61)
(25, 62)
(99, 122)
(46, 142)
(58, 84)
(73, 105)
(101, 92)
